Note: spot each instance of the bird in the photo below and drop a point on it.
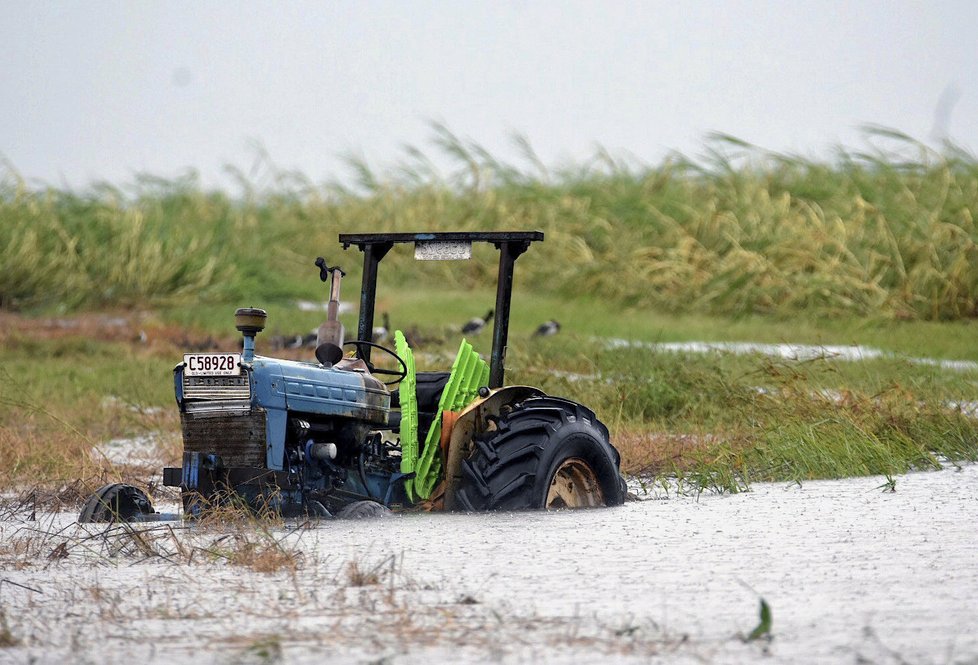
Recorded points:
(418, 338)
(381, 333)
(547, 329)
(475, 326)
(198, 344)
(296, 341)
(302, 341)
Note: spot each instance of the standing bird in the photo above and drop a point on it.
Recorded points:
(547, 329)
(300, 341)
(381, 333)
(475, 326)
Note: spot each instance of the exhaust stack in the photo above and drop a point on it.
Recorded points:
(329, 337)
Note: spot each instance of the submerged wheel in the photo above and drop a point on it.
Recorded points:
(116, 502)
(359, 510)
(547, 453)
(574, 485)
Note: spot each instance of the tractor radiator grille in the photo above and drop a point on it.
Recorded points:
(239, 438)
(216, 387)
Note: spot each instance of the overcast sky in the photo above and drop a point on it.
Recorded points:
(100, 90)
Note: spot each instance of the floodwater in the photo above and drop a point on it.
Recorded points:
(799, 352)
(852, 573)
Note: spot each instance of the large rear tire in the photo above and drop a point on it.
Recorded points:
(546, 453)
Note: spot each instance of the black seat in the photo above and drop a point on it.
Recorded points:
(430, 386)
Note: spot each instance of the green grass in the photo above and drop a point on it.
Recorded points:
(887, 234)
(60, 398)
(717, 421)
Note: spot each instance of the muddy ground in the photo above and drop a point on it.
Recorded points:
(852, 573)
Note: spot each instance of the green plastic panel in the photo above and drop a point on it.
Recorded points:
(409, 412)
(469, 372)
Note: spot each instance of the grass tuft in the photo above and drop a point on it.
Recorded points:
(7, 638)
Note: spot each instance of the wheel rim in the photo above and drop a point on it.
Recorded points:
(574, 485)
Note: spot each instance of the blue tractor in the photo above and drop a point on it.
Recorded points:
(342, 435)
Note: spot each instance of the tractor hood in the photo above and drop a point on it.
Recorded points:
(312, 388)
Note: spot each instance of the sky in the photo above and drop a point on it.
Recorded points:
(103, 90)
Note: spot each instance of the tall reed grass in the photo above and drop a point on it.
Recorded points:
(887, 232)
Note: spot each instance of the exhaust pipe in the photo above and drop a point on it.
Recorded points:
(329, 337)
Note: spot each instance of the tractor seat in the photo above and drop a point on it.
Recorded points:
(429, 390)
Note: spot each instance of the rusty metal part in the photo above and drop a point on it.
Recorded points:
(574, 485)
(448, 420)
(238, 438)
(476, 418)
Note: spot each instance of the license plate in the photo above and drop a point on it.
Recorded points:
(211, 364)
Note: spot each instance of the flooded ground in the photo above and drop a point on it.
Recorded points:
(797, 352)
(852, 573)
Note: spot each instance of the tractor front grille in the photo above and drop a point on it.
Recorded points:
(237, 436)
(216, 387)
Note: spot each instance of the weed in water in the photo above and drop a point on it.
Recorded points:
(251, 541)
(889, 485)
(357, 576)
(763, 628)
(360, 573)
(266, 650)
(7, 638)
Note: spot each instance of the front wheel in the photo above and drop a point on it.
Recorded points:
(546, 453)
(116, 502)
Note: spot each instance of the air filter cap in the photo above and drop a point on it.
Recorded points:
(250, 320)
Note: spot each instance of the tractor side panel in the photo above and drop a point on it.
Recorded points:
(276, 421)
(268, 388)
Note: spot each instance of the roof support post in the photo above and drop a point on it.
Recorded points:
(372, 255)
(509, 251)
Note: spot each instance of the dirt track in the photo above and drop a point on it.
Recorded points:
(851, 572)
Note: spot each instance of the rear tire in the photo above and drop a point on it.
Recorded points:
(546, 453)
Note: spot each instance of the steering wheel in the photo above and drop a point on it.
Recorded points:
(400, 374)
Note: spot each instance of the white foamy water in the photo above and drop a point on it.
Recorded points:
(799, 352)
(851, 573)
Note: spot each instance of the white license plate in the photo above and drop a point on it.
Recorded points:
(211, 364)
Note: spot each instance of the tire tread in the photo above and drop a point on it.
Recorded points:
(508, 459)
